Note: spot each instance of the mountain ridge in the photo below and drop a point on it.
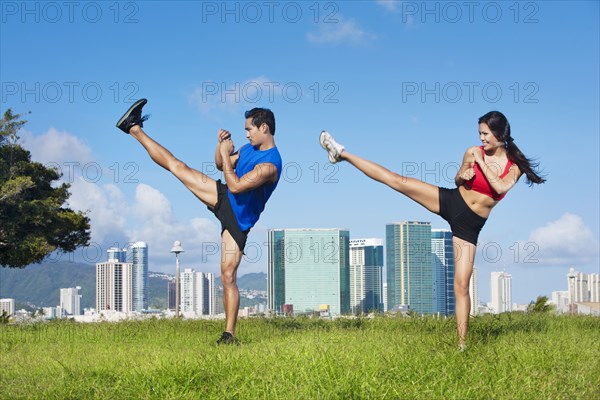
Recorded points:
(38, 285)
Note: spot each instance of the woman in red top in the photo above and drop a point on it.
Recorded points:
(486, 175)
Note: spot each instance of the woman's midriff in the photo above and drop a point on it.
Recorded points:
(479, 203)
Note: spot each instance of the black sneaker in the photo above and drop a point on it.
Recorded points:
(228, 338)
(133, 116)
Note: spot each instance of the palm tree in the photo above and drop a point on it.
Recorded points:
(541, 305)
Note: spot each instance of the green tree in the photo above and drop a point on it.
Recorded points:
(34, 221)
(4, 317)
(540, 305)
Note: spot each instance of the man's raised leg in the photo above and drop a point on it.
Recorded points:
(203, 187)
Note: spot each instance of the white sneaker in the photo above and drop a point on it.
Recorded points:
(334, 149)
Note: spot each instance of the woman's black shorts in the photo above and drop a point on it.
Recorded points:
(464, 223)
(224, 213)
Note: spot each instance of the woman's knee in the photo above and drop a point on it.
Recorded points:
(461, 289)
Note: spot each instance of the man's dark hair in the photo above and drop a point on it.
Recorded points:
(262, 116)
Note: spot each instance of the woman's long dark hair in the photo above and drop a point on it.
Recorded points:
(500, 127)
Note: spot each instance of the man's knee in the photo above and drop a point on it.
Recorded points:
(178, 167)
(228, 278)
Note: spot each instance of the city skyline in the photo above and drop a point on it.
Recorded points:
(582, 288)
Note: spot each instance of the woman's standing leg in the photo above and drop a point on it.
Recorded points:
(464, 258)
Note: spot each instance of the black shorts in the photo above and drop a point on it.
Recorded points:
(224, 213)
(464, 223)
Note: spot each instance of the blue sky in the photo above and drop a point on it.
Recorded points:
(402, 83)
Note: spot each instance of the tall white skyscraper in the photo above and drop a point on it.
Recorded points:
(366, 266)
(578, 286)
(474, 291)
(501, 290)
(583, 287)
(70, 300)
(114, 286)
(139, 259)
(198, 292)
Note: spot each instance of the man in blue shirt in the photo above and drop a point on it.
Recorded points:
(251, 175)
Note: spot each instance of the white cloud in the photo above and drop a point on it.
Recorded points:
(566, 241)
(341, 32)
(389, 5)
(228, 97)
(58, 147)
(107, 209)
(408, 10)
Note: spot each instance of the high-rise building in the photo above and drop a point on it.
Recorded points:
(409, 266)
(114, 286)
(276, 273)
(114, 253)
(139, 259)
(578, 286)
(366, 266)
(70, 300)
(210, 294)
(309, 268)
(198, 292)
(8, 306)
(443, 264)
(474, 291)
(583, 287)
(501, 290)
(191, 291)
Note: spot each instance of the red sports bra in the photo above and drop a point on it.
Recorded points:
(480, 184)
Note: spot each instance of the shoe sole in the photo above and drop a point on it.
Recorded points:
(322, 142)
(133, 107)
(322, 139)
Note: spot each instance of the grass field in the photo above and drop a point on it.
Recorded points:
(511, 356)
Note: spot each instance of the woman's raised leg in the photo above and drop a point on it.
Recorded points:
(423, 193)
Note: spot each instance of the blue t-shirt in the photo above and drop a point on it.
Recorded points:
(247, 206)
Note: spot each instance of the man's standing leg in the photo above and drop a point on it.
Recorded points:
(231, 256)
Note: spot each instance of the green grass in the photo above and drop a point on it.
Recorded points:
(512, 356)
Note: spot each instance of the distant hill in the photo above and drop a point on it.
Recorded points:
(39, 285)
